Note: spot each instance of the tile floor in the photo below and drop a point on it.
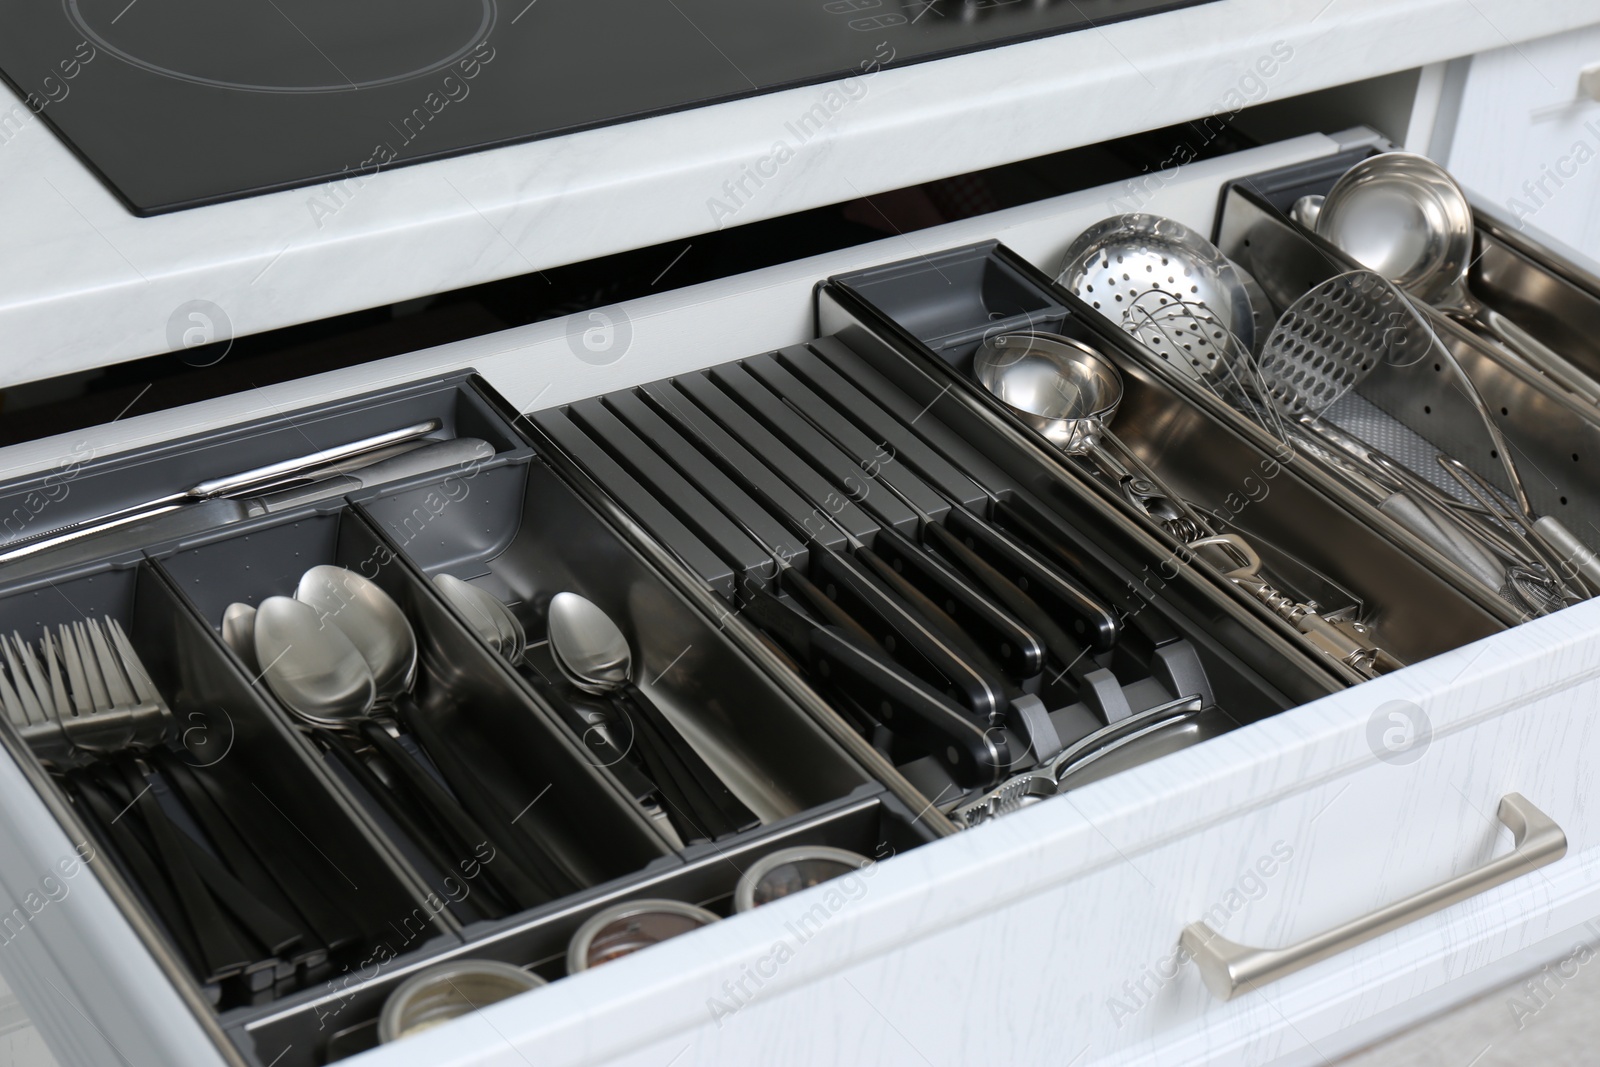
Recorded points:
(1547, 1019)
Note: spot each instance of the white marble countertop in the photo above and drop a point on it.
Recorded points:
(85, 284)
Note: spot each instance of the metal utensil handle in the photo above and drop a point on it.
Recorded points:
(234, 483)
(1536, 354)
(1229, 968)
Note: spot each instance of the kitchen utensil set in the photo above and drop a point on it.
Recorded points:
(1069, 393)
(1333, 377)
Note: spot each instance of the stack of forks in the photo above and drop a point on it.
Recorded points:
(84, 703)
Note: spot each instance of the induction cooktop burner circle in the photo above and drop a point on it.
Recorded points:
(286, 46)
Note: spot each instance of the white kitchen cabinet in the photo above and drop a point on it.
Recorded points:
(1049, 936)
(1525, 135)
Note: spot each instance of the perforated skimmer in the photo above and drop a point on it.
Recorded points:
(1139, 270)
(1356, 337)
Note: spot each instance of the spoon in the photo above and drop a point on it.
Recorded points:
(488, 617)
(589, 647)
(315, 670)
(382, 637)
(1404, 216)
(592, 653)
(371, 620)
(484, 623)
(500, 630)
(321, 677)
(239, 633)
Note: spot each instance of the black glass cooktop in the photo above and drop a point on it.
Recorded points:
(176, 103)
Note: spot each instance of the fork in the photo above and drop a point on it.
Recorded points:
(107, 708)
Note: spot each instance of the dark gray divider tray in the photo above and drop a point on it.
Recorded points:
(538, 776)
(238, 747)
(522, 535)
(82, 486)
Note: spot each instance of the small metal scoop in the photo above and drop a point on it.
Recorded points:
(1069, 393)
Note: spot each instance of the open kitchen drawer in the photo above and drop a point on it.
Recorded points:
(1048, 935)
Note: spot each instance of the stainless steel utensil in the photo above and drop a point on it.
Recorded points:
(589, 647)
(1307, 210)
(458, 453)
(1356, 339)
(316, 670)
(382, 636)
(592, 653)
(1048, 780)
(1069, 393)
(273, 474)
(239, 633)
(469, 602)
(372, 621)
(1404, 216)
(108, 715)
(1130, 262)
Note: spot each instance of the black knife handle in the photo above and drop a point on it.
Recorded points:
(907, 638)
(1045, 533)
(1094, 621)
(1001, 637)
(1067, 650)
(975, 756)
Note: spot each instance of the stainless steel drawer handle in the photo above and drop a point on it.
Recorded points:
(1228, 967)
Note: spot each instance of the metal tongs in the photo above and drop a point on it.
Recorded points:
(1051, 779)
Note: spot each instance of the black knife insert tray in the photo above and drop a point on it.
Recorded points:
(812, 453)
(1245, 487)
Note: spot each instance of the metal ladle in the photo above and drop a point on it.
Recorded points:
(1404, 216)
(1069, 393)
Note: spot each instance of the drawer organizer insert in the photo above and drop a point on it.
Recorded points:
(969, 609)
(317, 866)
(1312, 549)
(1554, 436)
